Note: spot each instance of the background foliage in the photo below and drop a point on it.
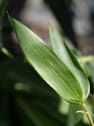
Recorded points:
(25, 99)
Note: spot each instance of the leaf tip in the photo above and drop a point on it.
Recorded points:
(10, 19)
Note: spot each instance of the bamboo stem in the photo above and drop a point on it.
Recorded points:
(86, 112)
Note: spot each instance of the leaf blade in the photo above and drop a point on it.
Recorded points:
(67, 56)
(52, 69)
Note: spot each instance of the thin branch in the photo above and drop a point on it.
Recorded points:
(86, 112)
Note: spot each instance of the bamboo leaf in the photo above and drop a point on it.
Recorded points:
(49, 66)
(68, 57)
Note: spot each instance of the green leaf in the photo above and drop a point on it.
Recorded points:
(49, 66)
(68, 57)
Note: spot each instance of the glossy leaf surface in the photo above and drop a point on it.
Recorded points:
(49, 66)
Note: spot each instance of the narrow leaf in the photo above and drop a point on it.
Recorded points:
(68, 57)
(49, 66)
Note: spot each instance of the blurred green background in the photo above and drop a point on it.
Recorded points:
(25, 99)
